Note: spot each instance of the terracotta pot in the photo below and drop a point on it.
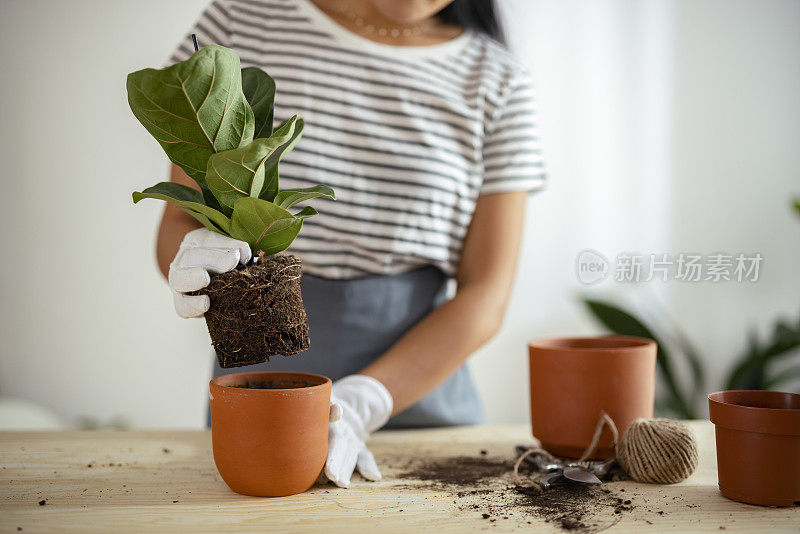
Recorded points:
(573, 379)
(270, 442)
(758, 445)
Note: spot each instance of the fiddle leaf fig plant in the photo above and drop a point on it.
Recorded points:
(287, 198)
(259, 89)
(268, 227)
(188, 199)
(214, 120)
(240, 172)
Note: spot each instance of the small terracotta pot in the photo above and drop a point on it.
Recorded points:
(574, 379)
(758, 445)
(270, 442)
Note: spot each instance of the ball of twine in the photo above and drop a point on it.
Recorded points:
(658, 451)
(654, 451)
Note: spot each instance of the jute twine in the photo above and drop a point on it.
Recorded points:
(658, 451)
(536, 449)
(655, 451)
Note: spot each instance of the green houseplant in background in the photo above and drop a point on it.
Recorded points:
(679, 399)
(761, 365)
(215, 121)
(754, 369)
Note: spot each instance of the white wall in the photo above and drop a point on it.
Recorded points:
(87, 322)
(601, 70)
(669, 126)
(736, 164)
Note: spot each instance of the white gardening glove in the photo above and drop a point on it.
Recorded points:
(365, 406)
(202, 252)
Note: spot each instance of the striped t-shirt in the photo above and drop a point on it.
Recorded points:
(408, 137)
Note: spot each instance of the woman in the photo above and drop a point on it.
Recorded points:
(424, 125)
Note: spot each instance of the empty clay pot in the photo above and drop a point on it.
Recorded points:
(270, 441)
(573, 380)
(758, 445)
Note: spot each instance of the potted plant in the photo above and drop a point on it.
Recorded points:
(215, 121)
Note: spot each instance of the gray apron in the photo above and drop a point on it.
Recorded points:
(353, 322)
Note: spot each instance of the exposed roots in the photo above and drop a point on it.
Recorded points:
(257, 312)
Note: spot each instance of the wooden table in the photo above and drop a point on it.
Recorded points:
(166, 480)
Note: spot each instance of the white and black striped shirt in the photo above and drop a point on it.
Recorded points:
(408, 137)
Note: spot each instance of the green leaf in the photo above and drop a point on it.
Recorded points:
(287, 198)
(259, 89)
(746, 366)
(270, 188)
(749, 372)
(210, 200)
(623, 323)
(786, 375)
(244, 171)
(263, 225)
(205, 221)
(681, 340)
(241, 172)
(170, 189)
(194, 108)
(306, 212)
(186, 197)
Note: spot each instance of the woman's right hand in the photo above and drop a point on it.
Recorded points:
(202, 252)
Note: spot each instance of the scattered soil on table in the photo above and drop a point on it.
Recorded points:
(257, 311)
(571, 507)
(458, 471)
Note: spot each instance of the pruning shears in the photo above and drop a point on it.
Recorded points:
(554, 471)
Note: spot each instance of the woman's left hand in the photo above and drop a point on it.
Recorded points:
(365, 407)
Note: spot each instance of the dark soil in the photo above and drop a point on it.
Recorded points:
(257, 312)
(570, 506)
(275, 384)
(458, 471)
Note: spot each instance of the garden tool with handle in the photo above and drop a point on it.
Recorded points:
(553, 470)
